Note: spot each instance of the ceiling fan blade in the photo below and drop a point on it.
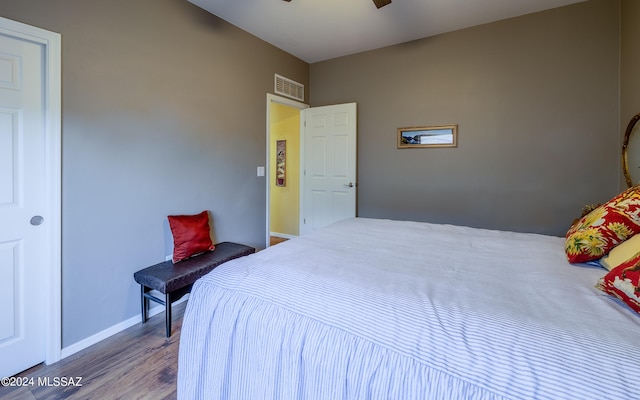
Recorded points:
(381, 3)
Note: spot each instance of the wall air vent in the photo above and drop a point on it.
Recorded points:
(289, 88)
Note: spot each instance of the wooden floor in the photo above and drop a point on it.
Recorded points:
(138, 363)
(273, 240)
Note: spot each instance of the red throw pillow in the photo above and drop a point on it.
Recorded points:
(623, 282)
(595, 234)
(191, 235)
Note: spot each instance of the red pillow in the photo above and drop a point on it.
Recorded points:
(595, 234)
(623, 282)
(191, 235)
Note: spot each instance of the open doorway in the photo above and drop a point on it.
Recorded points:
(283, 168)
(299, 202)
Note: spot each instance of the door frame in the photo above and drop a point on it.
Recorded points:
(272, 98)
(51, 44)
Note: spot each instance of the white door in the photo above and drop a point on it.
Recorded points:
(23, 216)
(329, 165)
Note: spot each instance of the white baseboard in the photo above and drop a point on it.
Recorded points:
(100, 336)
(282, 235)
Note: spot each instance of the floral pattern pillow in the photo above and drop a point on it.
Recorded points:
(623, 282)
(595, 234)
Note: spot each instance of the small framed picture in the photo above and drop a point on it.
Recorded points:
(428, 136)
(281, 163)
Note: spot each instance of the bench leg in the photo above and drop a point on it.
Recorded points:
(144, 303)
(168, 313)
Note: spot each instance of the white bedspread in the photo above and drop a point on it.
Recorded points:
(380, 309)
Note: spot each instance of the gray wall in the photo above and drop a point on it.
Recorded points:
(537, 104)
(164, 112)
(629, 66)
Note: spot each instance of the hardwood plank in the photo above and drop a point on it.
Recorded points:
(137, 363)
(273, 240)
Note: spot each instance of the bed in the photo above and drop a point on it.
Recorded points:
(382, 309)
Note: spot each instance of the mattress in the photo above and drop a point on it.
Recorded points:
(381, 309)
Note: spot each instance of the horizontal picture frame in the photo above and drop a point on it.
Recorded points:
(428, 136)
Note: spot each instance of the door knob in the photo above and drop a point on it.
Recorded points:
(350, 184)
(36, 220)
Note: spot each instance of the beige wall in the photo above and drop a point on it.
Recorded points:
(163, 113)
(284, 201)
(537, 104)
(629, 66)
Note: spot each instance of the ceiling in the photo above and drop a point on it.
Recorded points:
(317, 30)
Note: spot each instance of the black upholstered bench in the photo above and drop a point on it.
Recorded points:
(176, 280)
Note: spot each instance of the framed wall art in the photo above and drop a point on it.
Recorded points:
(281, 162)
(428, 136)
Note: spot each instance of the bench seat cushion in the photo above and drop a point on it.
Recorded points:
(167, 277)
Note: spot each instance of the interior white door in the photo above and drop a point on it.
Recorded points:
(23, 236)
(329, 166)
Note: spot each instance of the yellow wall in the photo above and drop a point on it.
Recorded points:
(285, 201)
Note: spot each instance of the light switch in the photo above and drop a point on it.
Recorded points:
(260, 171)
